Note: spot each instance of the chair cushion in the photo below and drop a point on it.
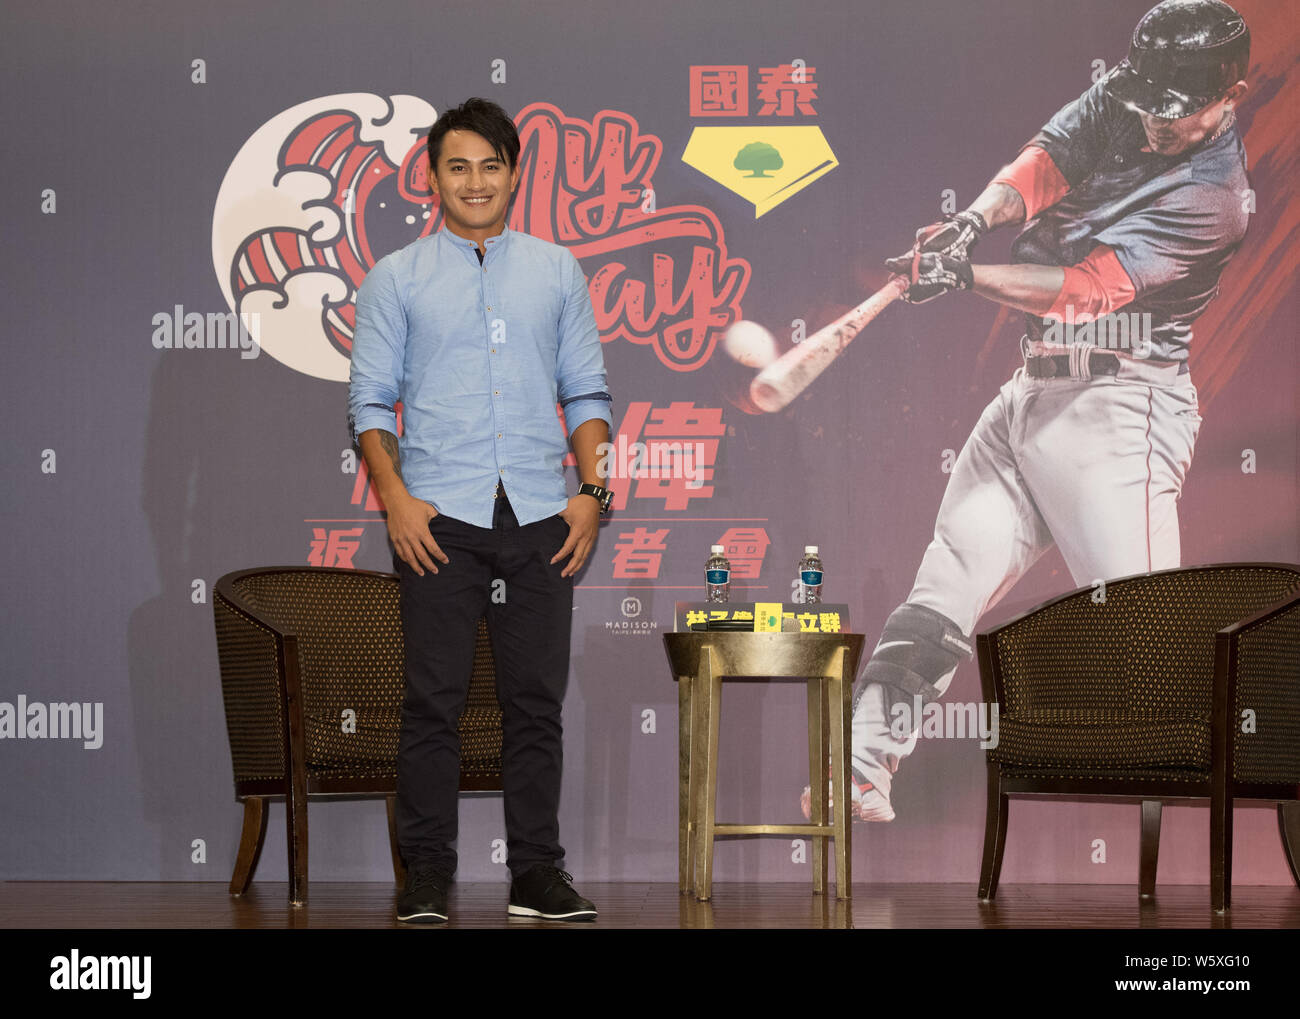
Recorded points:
(375, 741)
(1107, 740)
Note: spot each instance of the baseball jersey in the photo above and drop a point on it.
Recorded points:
(1173, 221)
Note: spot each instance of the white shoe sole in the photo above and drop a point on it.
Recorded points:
(418, 917)
(580, 914)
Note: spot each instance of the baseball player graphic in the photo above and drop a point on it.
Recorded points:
(1132, 200)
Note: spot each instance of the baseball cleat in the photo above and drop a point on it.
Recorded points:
(870, 804)
(867, 802)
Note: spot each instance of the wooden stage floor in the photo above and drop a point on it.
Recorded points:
(75, 905)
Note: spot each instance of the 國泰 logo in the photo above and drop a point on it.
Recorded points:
(770, 158)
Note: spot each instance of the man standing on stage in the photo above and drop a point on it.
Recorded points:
(1132, 200)
(480, 331)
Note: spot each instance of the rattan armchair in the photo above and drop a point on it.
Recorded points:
(312, 678)
(1182, 683)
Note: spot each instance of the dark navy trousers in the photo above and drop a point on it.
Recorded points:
(530, 642)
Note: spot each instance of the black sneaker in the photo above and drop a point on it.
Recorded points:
(544, 891)
(425, 897)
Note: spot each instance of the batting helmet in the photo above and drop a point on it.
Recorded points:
(1185, 54)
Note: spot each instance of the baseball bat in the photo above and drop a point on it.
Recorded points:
(794, 371)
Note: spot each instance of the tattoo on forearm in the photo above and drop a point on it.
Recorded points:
(388, 441)
(1010, 206)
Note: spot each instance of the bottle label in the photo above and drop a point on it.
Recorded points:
(717, 576)
(810, 578)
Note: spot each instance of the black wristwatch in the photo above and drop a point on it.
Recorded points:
(602, 495)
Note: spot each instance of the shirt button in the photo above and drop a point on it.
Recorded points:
(489, 307)
(498, 435)
(494, 350)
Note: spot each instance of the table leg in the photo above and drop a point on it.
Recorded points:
(708, 695)
(841, 712)
(817, 756)
(685, 827)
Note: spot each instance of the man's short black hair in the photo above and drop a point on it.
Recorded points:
(484, 118)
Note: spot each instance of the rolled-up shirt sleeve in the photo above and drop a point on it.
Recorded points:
(1035, 178)
(580, 363)
(378, 354)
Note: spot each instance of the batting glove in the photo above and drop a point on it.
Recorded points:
(955, 236)
(931, 275)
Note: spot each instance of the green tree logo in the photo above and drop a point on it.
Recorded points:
(757, 157)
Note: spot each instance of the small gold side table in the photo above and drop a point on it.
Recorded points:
(700, 662)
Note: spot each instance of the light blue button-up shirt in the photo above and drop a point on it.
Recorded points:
(479, 356)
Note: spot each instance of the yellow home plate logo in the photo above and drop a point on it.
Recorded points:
(764, 165)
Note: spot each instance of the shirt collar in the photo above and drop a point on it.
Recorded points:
(498, 243)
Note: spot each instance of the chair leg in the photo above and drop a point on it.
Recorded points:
(399, 868)
(995, 835)
(1220, 845)
(1288, 824)
(295, 811)
(1149, 848)
(250, 844)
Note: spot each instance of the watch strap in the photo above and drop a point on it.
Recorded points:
(602, 495)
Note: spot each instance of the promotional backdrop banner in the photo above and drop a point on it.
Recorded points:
(194, 195)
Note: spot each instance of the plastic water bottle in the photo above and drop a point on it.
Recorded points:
(717, 575)
(810, 576)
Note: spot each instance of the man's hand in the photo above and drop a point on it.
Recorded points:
(956, 236)
(931, 275)
(408, 527)
(408, 517)
(940, 259)
(583, 517)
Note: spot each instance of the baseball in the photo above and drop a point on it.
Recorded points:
(750, 344)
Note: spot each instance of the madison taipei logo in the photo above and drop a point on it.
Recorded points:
(323, 190)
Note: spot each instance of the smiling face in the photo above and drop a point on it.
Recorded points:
(474, 185)
(1174, 137)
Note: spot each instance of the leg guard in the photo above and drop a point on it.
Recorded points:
(917, 649)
